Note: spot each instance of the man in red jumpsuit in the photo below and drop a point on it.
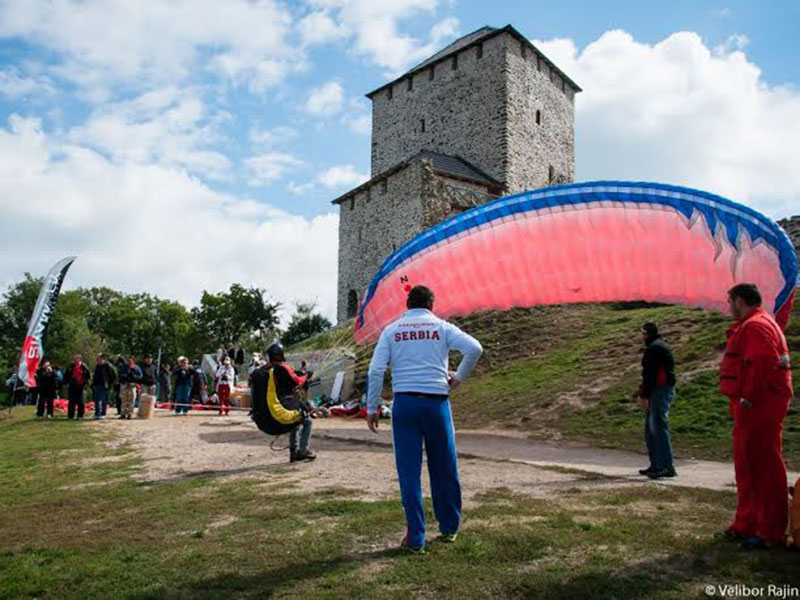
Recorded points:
(756, 376)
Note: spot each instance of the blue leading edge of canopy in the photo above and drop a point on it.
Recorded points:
(716, 211)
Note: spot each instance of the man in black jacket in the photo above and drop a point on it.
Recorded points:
(656, 394)
(77, 378)
(46, 385)
(149, 375)
(102, 383)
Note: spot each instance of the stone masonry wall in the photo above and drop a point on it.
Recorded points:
(377, 224)
(533, 148)
(463, 109)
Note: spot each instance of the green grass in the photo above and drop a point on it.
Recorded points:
(71, 529)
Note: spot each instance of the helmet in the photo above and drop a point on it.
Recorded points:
(275, 352)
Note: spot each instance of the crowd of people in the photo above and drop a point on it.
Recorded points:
(123, 383)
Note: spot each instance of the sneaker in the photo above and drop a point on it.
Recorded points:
(421, 550)
(754, 543)
(49, 416)
(662, 473)
(447, 538)
(646, 471)
(301, 455)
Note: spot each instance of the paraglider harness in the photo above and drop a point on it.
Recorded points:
(277, 413)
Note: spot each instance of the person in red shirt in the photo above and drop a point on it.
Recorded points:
(756, 376)
(78, 377)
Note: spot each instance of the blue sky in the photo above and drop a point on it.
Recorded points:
(155, 134)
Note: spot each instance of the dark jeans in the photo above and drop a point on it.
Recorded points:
(100, 401)
(304, 430)
(43, 401)
(75, 395)
(656, 427)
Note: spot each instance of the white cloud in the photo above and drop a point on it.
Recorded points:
(737, 41)
(166, 126)
(299, 189)
(360, 123)
(108, 42)
(326, 99)
(677, 112)
(271, 166)
(15, 85)
(272, 137)
(373, 25)
(138, 227)
(319, 28)
(342, 176)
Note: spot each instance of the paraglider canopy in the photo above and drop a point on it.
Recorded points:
(590, 242)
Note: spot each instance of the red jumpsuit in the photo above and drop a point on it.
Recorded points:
(756, 367)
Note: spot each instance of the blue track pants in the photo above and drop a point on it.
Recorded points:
(415, 419)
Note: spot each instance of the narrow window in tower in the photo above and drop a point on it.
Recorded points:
(454, 64)
(430, 74)
(479, 50)
(352, 203)
(384, 186)
(389, 92)
(359, 235)
(352, 304)
(410, 83)
(551, 174)
(538, 117)
(422, 125)
(523, 50)
(563, 85)
(539, 63)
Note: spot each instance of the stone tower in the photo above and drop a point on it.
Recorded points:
(487, 116)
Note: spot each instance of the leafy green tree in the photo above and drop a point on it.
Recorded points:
(241, 316)
(304, 323)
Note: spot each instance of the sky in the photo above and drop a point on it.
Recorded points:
(181, 146)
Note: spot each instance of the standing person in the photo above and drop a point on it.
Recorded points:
(224, 379)
(286, 384)
(164, 384)
(133, 376)
(417, 347)
(102, 382)
(78, 377)
(149, 375)
(198, 384)
(656, 393)
(756, 376)
(183, 385)
(59, 381)
(122, 377)
(46, 386)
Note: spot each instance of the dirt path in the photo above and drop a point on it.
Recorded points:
(204, 445)
(352, 457)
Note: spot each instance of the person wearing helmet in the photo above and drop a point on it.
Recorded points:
(286, 384)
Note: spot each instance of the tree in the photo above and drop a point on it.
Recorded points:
(305, 323)
(241, 316)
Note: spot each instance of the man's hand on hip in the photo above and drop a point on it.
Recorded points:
(452, 381)
(372, 422)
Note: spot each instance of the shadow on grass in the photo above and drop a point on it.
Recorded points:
(711, 564)
(265, 584)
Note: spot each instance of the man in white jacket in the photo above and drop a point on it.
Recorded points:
(417, 347)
